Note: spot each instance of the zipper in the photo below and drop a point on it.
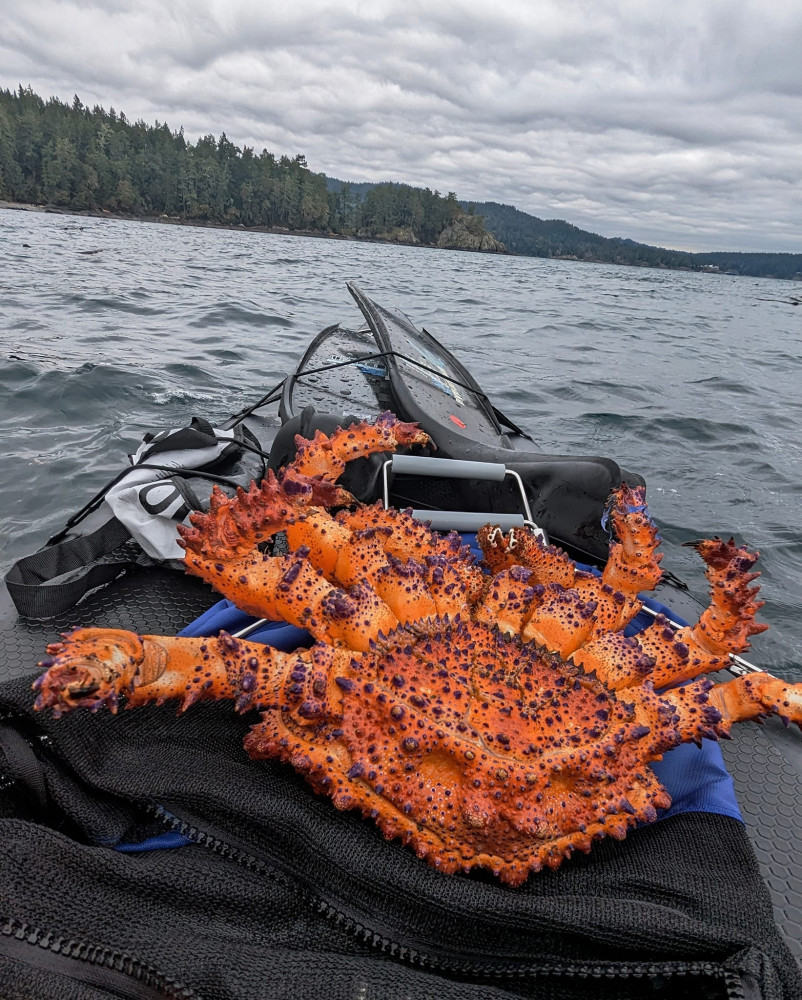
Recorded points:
(88, 963)
(598, 970)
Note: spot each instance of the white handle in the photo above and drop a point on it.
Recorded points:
(461, 520)
(447, 468)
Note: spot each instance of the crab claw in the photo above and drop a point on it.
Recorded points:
(70, 686)
(327, 455)
(90, 669)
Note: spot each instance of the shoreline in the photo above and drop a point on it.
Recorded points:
(175, 220)
(326, 235)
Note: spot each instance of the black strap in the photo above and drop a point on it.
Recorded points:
(199, 434)
(30, 580)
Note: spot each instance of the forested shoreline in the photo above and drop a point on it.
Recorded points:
(88, 159)
(80, 159)
(527, 235)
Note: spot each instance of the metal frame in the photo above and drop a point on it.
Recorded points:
(448, 468)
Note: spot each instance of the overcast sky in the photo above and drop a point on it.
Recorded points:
(677, 124)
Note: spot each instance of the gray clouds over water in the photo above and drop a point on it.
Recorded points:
(678, 124)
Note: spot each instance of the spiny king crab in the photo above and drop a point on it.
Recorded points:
(490, 715)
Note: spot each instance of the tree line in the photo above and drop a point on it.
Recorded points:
(90, 159)
(82, 159)
(526, 234)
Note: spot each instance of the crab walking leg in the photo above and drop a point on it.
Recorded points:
(327, 455)
(753, 695)
(235, 526)
(725, 626)
(706, 709)
(452, 578)
(618, 661)
(696, 714)
(633, 565)
(634, 562)
(660, 652)
(289, 588)
(559, 618)
(353, 558)
(415, 572)
(670, 656)
(93, 667)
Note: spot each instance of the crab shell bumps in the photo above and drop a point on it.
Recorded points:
(489, 714)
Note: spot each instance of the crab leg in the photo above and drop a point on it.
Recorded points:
(418, 574)
(633, 566)
(236, 526)
(93, 667)
(670, 656)
(696, 714)
(726, 625)
(723, 628)
(754, 695)
(452, 579)
(706, 709)
(634, 562)
(327, 456)
(522, 547)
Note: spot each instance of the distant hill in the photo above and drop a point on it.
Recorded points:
(526, 234)
(764, 265)
(530, 236)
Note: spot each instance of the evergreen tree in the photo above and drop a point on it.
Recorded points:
(87, 159)
(77, 158)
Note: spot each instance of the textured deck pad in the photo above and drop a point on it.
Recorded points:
(763, 760)
(155, 601)
(764, 764)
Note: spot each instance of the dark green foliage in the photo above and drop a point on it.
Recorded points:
(526, 234)
(770, 265)
(70, 156)
(79, 158)
(76, 158)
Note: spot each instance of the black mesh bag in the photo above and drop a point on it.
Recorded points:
(277, 894)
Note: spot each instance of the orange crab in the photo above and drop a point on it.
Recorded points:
(489, 714)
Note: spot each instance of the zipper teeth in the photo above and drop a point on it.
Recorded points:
(252, 863)
(100, 955)
(404, 953)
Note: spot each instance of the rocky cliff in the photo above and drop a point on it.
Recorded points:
(468, 233)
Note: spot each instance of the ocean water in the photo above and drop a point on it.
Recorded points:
(111, 328)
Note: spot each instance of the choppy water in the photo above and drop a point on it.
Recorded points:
(111, 328)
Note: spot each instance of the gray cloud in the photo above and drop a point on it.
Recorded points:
(680, 126)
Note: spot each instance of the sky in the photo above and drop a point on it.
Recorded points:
(677, 124)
